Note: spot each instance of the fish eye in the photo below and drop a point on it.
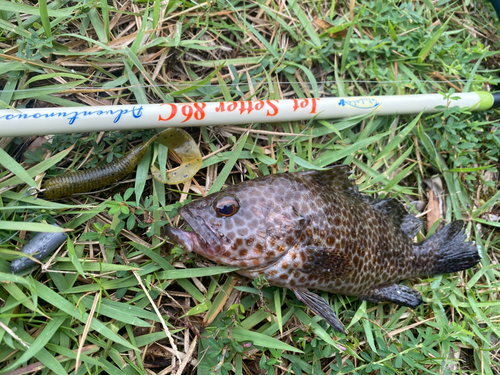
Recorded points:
(226, 206)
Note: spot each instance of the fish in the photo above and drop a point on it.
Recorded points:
(314, 230)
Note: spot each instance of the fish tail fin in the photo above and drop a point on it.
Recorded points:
(446, 251)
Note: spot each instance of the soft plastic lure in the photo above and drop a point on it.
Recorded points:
(183, 145)
(177, 140)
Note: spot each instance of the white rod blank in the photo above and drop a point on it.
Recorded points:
(43, 121)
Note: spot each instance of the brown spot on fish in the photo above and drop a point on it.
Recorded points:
(281, 248)
(243, 253)
(284, 264)
(258, 249)
(272, 242)
(284, 276)
(273, 272)
(309, 232)
(293, 255)
(355, 261)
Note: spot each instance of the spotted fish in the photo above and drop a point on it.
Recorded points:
(314, 230)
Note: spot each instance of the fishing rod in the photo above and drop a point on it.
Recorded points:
(63, 120)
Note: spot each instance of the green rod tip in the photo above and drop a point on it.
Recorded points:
(486, 101)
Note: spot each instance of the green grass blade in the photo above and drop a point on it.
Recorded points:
(39, 343)
(277, 308)
(163, 263)
(10, 6)
(13, 166)
(44, 16)
(15, 29)
(29, 226)
(258, 339)
(399, 138)
(136, 86)
(195, 272)
(62, 304)
(74, 258)
(318, 330)
(122, 312)
(235, 154)
(305, 21)
(431, 43)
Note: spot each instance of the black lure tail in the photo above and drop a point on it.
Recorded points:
(446, 251)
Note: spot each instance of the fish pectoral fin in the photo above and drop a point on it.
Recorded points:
(320, 307)
(398, 294)
(328, 262)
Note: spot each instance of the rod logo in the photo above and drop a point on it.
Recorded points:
(361, 103)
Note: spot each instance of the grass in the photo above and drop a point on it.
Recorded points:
(118, 299)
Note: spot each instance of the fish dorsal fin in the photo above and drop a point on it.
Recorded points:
(396, 212)
(337, 177)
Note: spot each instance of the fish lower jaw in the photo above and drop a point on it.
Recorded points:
(189, 240)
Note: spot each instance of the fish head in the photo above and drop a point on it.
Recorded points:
(249, 225)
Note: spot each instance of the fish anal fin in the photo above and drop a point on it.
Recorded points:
(396, 212)
(320, 307)
(398, 294)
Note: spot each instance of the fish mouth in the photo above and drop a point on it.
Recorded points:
(189, 240)
(202, 240)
